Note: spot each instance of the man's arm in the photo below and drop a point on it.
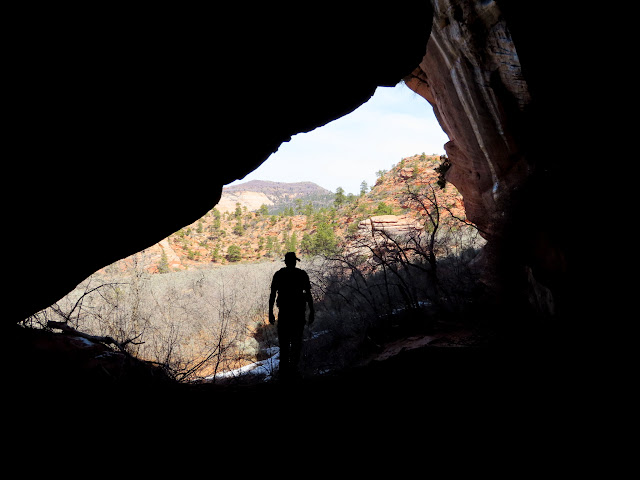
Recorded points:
(272, 299)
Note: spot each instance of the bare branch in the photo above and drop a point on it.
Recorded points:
(93, 338)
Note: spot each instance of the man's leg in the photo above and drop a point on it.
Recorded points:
(297, 330)
(284, 340)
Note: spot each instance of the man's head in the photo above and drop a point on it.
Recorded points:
(290, 259)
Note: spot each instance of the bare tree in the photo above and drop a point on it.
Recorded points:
(192, 324)
(380, 271)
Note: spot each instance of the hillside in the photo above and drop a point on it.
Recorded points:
(295, 221)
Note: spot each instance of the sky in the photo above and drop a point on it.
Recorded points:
(395, 123)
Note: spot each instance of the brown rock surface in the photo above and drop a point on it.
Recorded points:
(393, 224)
(471, 74)
(252, 200)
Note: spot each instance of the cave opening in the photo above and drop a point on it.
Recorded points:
(472, 74)
(195, 303)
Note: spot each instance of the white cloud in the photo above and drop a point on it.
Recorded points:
(394, 124)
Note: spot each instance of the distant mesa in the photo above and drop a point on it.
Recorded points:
(277, 188)
(253, 194)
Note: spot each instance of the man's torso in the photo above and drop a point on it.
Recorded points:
(291, 284)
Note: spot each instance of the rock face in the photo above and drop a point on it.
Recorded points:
(252, 200)
(391, 224)
(471, 74)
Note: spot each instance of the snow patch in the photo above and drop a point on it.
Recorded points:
(263, 367)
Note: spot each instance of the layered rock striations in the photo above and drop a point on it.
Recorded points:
(472, 77)
(390, 224)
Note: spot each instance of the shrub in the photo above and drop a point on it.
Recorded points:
(383, 209)
(233, 253)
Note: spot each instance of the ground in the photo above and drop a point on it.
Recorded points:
(457, 367)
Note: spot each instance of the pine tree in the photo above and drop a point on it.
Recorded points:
(340, 198)
(269, 248)
(290, 243)
(293, 243)
(324, 240)
(306, 244)
(308, 210)
(163, 266)
(363, 188)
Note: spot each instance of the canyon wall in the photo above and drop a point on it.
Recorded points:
(472, 76)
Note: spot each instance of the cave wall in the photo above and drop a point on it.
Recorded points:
(502, 112)
(471, 75)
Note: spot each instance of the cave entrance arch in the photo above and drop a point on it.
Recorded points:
(455, 17)
(395, 123)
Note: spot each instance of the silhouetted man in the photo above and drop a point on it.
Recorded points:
(293, 288)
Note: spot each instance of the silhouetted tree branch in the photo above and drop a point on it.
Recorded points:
(93, 338)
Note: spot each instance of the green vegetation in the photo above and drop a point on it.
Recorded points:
(238, 229)
(322, 242)
(234, 254)
(363, 188)
(290, 243)
(163, 266)
(301, 206)
(383, 209)
(340, 198)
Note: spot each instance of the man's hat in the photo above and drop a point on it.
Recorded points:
(291, 255)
